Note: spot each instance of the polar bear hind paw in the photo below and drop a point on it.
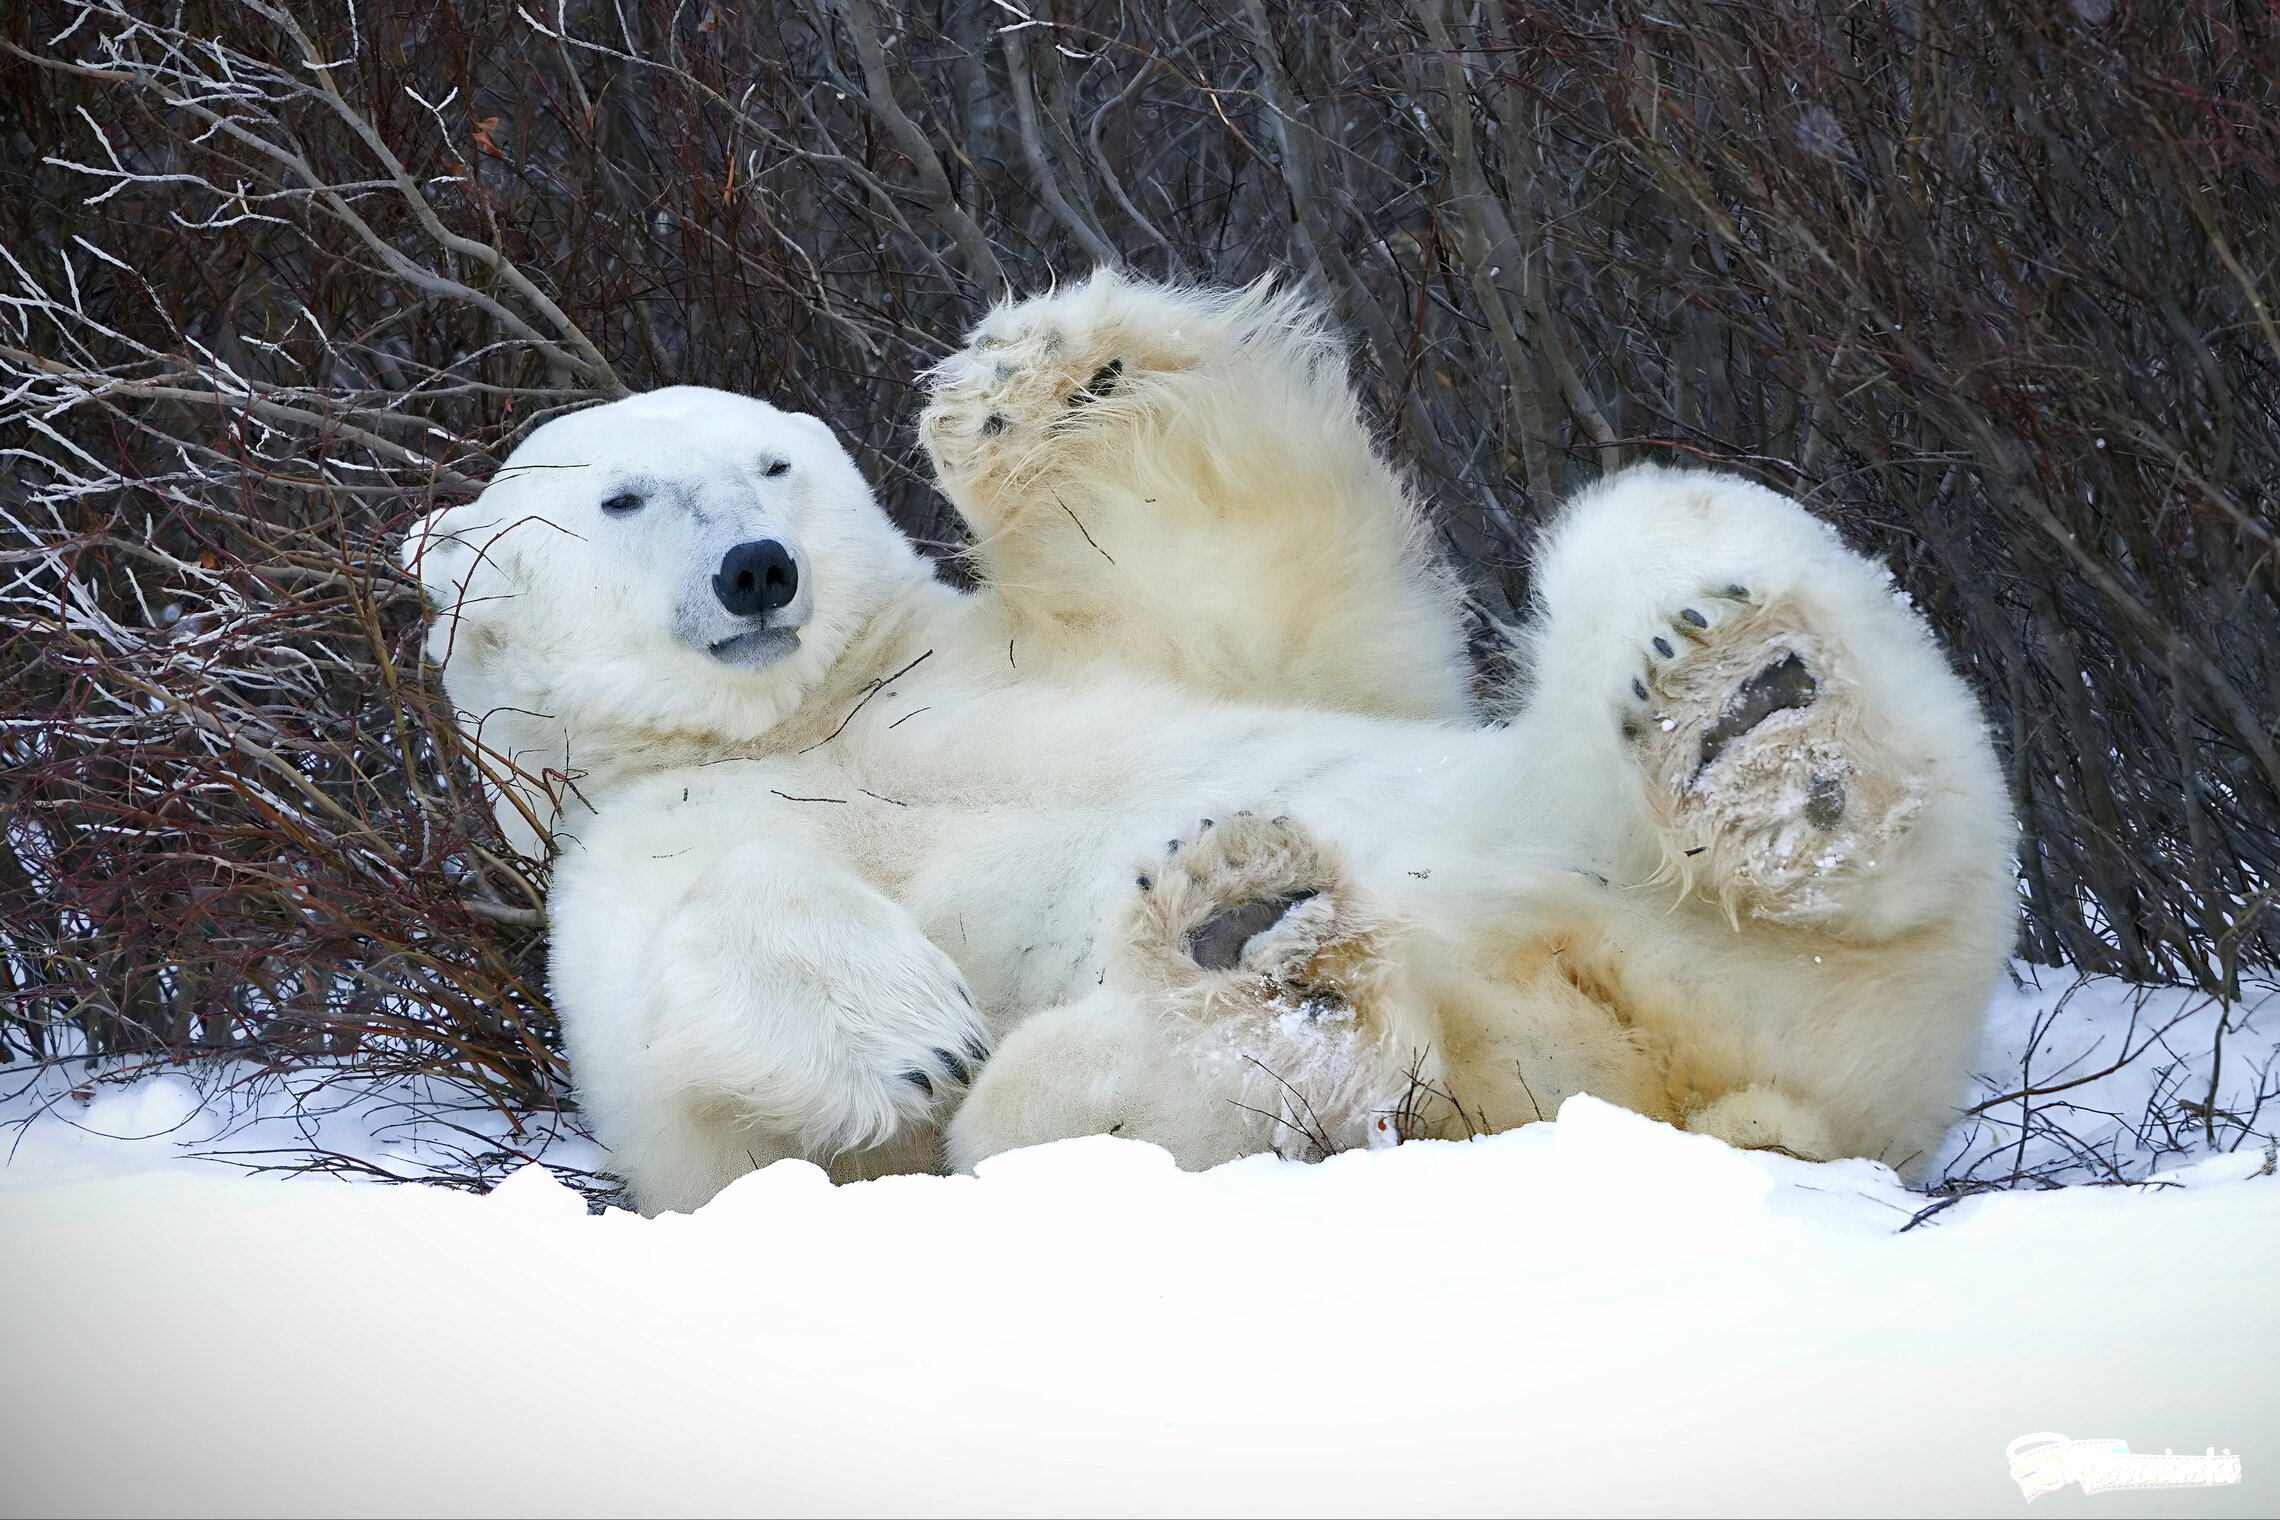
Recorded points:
(1762, 1118)
(1762, 760)
(1251, 916)
(1282, 980)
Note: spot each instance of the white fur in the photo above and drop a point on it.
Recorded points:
(780, 886)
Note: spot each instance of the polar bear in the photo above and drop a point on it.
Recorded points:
(1211, 867)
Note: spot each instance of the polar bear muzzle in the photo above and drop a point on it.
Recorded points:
(756, 579)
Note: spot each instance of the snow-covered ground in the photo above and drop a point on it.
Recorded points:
(1594, 1315)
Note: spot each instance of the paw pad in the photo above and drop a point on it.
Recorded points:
(1217, 943)
(1278, 975)
(1825, 801)
(1786, 684)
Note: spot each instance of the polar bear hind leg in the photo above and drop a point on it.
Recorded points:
(1742, 713)
(1179, 480)
(1107, 1065)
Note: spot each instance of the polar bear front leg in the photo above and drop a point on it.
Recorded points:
(786, 1008)
(1179, 480)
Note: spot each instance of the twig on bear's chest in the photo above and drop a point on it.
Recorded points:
(868, 693)
(788, 797)
(1087, 532)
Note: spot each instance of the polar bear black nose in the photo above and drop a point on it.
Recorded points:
(756, 577)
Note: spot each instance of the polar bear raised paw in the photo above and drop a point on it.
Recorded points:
(1022, 400)
(1776, 789)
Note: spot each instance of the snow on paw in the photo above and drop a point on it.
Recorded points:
(1283, 978)
(1038, 382)
(1771, 775)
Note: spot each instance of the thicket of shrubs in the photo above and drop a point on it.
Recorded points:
(1991, 285)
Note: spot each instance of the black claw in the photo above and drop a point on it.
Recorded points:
(1638, 688)
(1141, 882)
(1172, 848)
(1207, 823)
(921, 1081)
(1696, 618)
(1217, 943)
(977, 1050)
(1738, 590)
(1786, 683)
(1102, 382)
(1662, 646)
(953, 1065)
(992, 425)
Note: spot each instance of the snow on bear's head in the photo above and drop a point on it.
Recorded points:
(672, 570)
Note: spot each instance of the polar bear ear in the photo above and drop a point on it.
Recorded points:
(815, 425)
(436, 551)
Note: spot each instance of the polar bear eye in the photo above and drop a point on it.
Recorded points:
(777, 467)
(622, 504)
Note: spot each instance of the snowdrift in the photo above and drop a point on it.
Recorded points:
(1594, 1315)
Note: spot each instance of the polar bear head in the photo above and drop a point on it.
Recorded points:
(653, 577)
